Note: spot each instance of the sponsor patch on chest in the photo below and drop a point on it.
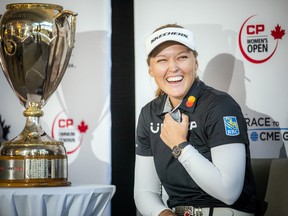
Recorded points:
(231, 126)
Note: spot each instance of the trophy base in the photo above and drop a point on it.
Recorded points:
(33, 171)
(45, 183)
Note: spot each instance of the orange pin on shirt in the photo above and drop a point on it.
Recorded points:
(190, 102)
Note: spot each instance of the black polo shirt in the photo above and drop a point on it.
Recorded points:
(215, 119)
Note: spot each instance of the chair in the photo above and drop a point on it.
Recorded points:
(271, 178)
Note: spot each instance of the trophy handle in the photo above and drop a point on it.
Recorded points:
(59, 18)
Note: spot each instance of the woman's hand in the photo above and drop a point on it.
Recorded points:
(167, 212)
(172, 132)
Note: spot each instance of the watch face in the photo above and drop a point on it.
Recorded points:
(176, 151)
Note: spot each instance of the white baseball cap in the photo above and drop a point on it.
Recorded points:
(181, 35)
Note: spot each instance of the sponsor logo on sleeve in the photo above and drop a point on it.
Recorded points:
(231, 126)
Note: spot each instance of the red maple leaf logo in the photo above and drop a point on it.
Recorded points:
(82, 127)
(278, 33)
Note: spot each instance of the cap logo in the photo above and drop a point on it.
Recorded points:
(169, 33)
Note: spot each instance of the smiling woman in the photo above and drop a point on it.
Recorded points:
(160, 38)
(173, 66)
(203, 136)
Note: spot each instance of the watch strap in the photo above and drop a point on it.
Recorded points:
(184, 144)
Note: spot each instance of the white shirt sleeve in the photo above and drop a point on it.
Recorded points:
(223, 178)
(147, 187)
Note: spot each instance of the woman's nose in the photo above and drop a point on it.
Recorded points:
(173, 66)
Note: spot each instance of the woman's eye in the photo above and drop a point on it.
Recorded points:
(183, 57)
(161, 60)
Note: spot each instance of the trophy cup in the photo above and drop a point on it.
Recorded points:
(36, 42)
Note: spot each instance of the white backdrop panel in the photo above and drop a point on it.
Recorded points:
(258, 87)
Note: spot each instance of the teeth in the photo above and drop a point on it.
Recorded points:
(175, 79)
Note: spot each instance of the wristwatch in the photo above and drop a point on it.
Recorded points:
(176, 150)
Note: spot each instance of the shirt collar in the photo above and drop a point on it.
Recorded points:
(168, 106)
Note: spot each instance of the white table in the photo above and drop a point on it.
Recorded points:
(75, 200)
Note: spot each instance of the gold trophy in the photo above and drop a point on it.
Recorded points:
(36, 41)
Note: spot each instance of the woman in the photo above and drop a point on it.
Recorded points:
(191, 139)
